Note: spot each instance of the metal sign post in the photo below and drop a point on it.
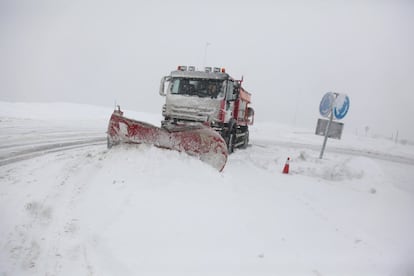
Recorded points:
(326, 135)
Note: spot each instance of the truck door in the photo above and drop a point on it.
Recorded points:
(230, 100)
(230, 96)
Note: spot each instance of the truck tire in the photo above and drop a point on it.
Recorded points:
(231, 135)
(230, 141)
(246, 139)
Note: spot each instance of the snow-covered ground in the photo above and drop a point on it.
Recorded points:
(69, 206)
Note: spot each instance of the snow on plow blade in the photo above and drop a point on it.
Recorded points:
(196, 140)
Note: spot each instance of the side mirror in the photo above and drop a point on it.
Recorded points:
(250, 115)
(162, 85)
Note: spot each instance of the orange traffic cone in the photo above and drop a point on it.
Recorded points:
(286, 168)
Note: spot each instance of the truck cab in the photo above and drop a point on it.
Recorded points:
(212, 97)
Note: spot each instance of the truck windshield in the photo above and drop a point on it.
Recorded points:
(197, 87)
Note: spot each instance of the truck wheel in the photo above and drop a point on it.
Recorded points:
(230, 135)
(231, 138)
(246, 140)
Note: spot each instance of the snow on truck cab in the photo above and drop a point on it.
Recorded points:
(212, 97)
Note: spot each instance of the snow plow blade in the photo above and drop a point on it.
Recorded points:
(194, 139)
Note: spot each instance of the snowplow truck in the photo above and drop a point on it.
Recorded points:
(206, 114)
(212, 97)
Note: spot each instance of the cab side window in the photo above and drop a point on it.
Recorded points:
(174, 86)
(230, 96)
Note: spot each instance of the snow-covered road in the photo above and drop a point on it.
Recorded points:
(10, 153)
(136, 210)
(359, 151)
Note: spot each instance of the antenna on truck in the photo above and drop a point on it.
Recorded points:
(205, 53)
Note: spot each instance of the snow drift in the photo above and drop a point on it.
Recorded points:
(142, 210)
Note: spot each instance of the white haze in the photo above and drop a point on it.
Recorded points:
(290, 53)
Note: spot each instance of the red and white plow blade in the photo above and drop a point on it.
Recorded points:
(196, 140)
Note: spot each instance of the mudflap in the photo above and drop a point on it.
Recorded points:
(196, 140)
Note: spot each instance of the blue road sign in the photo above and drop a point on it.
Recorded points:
(341, 106)
(325, 106)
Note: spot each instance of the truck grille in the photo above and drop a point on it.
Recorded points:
(193, 114)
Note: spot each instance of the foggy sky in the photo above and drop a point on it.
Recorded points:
(290, 53)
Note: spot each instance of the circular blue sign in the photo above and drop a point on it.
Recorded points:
(341, 106)
(325, 107)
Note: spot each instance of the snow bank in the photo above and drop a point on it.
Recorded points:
(339, 168)
(140, 210)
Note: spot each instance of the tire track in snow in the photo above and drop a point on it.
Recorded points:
(48, 138)
(17, 154)
(50, 228)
